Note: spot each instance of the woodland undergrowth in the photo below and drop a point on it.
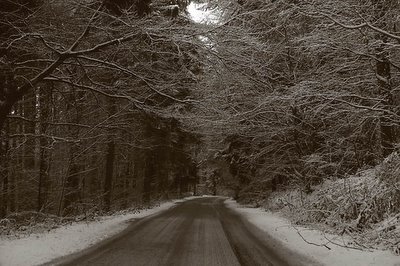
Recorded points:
(20, 224)
(364, 208)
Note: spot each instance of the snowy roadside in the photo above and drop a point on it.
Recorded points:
(37, 249)
(321, 247)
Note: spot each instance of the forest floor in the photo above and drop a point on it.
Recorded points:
(39, 244)
(325, 248)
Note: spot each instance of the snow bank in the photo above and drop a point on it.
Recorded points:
(322, 249)
(41, 248)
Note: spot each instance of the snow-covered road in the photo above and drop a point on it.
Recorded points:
(37, 249)
(197, 232)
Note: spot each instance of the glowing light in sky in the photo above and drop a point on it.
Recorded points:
(199, 13)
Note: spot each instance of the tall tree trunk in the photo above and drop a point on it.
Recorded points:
(11, 178)
(383, 74)
(5, 109)
(7, 91)
(3, 193)
(43, 177)
(148, 161)
(138, 172)
(387, 127)
(38, 147)
(4, 172)
(42, 161)
(149, 171)
(71, 186)
(110, 158)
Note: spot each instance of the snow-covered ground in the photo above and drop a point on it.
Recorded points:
(41, 248)
(37, 249)
(322, 249)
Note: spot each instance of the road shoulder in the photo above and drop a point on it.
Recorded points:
(42, 248)
(320, 247)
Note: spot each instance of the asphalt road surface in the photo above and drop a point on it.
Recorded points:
(199, 232)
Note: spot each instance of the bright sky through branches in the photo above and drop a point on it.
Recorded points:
(201, 13)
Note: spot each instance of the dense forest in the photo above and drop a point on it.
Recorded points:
(88, 96)
(108, 104)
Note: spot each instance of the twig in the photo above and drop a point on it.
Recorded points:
(311, 243)
(346, 246)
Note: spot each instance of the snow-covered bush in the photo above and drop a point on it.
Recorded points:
(389, 173)
(363, 206)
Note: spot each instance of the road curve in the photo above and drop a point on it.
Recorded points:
(198, 232)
